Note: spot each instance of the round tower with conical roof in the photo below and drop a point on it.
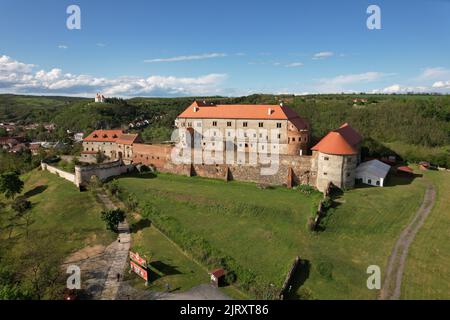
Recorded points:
(337, 156)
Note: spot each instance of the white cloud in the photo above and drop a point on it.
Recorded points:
(442, 84)
(397, 88)
(63, 46)
(294, 65)
(101, 45)
(323, 55)
(436, 73)
(353, 78)
(17, 77)
(187, 58)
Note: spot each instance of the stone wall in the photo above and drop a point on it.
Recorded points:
(103, 171)
(63, 174)
(339, 170)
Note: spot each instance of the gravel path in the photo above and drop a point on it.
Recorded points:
(119, 259)
(393, 281)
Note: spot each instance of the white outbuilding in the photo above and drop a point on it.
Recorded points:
(372, 172)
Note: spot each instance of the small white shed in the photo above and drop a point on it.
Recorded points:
(372, 172)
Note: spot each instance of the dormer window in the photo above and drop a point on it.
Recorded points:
(105, 136)
(95, 136)
(115, 136)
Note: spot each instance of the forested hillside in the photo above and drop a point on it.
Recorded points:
(417, 127)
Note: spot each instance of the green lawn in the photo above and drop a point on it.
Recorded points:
(265, 229)
(427, 271)
(168, 264)
(61, 221)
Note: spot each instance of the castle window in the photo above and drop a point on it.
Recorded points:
(326, 158)
(348, 174)
(229, 134)
(279, 136)
(229, 124)
(214, 123)
(199, 124)
(189, 124)
(261, 124)
(349, 160)
(293, 139)
(244, 124)
(278, 124)
(325, 173)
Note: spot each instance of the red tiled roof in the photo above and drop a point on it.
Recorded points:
(240, 111)
(349, 134)
(127, 138)
(89, 152)
(405, 169)
(218, 273)
(342, 141)
(104, 136)
(334, 143)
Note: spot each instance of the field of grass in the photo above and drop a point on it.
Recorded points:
(168, 265)
(265, 229)
(62, 220)
(427, 271)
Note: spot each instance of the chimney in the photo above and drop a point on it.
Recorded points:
(195, 108)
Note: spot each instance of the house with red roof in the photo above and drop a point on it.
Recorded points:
(113, 144)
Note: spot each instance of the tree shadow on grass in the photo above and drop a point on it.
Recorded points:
(140, 225)
(298, 279)
(37, 190)
(161, 269)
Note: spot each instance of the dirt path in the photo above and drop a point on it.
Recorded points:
(393, 281)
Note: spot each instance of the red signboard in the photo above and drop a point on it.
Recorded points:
(139, 270)
(136, 258)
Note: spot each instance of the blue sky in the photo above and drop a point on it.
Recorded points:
(176, 48)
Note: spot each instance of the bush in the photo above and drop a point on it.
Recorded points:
(306, 189)
(112, 218)
(325, 269)
(21, 204)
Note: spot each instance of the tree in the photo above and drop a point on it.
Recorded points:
(21, 204)
(3, 132)
(112, 218)
(10, 184)
(100, 157)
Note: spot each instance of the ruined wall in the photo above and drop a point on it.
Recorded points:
(63, 174)
(103, 171)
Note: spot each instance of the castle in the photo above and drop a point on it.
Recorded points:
(220, 141)
(99, 98)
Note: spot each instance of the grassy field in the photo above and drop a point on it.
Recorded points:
(427, 271)
(265, 229)
(61, 221)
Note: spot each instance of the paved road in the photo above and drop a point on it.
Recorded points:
(200, 292)
(393, 281)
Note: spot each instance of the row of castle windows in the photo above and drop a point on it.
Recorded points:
(229, 124)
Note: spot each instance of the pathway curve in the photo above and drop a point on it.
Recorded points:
(120, 255)
(393, 281)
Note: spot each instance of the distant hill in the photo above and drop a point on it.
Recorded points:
(414, 124)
